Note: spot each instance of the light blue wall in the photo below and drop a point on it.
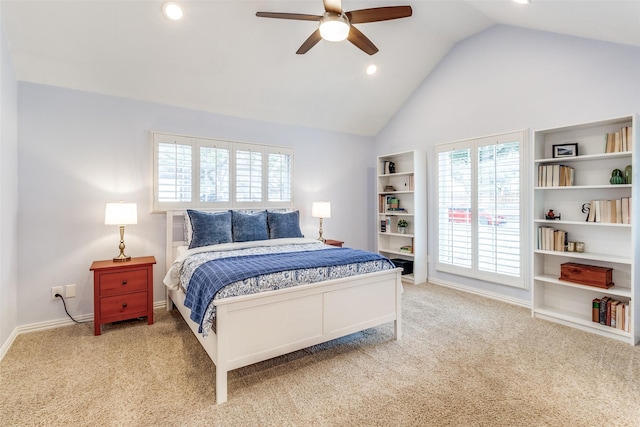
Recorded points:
(8, 193)
(79, 150)
(507, 79)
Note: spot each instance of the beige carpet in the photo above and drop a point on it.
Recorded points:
(463, 361)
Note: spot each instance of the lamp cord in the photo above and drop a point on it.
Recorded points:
(65, 308)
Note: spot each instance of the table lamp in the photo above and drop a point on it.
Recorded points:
(121, 214)
(321, 210)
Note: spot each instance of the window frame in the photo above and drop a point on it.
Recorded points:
(520, 281)
(157, 138)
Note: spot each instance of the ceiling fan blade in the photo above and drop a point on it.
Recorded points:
(296, 16)
(313, 40)
(361, 41)
(334, 6)
(376, 14)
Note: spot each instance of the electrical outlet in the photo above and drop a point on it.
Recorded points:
(56, 290)
(70, 291)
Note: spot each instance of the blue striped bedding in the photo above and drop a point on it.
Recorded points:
(208, 275)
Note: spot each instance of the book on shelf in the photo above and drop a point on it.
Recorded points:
(619, 141)
(595, 310)
(603, 310)
(550, 239)
(616, 211)
(555, 175)
(611, 312)
(408, 249)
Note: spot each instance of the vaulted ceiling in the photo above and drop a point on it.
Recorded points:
(221, 58)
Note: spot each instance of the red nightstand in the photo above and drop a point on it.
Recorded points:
(122, 290)
(337, 243)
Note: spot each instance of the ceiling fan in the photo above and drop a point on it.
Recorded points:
(336, 25)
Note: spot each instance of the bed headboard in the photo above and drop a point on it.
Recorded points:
(175, 229)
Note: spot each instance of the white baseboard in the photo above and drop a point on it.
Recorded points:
(51, 324)
(7, 343)
(481, 292)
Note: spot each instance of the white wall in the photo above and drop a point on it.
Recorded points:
(506, 79)
(8, 193)
(79, 150)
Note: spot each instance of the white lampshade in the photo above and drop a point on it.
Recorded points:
(334, 28)
(321, 210)
(121, 213)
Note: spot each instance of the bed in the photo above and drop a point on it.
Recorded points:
(241, 327)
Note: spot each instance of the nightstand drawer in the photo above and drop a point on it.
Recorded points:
(123, 281)
(122, 307)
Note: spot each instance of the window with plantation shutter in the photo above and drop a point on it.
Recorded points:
(174, 170)
(215, 181)
(194, 172)
(454, 207)
(248, 176)
(480, 231)
(279, 177)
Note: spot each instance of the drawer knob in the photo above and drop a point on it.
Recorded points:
(124, 305)
(124, 282)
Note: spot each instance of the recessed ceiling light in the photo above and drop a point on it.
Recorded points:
(172, 11)
(371, 69)
(522, 1)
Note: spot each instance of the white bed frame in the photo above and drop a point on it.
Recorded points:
(253, 328)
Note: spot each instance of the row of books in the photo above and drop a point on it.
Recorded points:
(610, 312)
(555, 176)
(389, 203)
(621, 140)
(550, 239)
(616, 211)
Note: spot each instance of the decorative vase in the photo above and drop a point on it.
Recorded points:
(402, 230)
(616, 177)
(627, 174)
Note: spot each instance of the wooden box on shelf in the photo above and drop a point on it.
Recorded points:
(584, 274)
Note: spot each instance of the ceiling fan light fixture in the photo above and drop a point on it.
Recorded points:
(522, 1)
(334, 28)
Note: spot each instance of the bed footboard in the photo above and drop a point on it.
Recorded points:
(253, 328)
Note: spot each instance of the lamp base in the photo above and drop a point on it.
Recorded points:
(121, 258)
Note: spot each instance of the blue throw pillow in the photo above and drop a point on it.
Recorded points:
(209, 228)
(249, 226)
(284, 224)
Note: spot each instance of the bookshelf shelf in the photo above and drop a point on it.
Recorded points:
(611, 244)
(406, 187)
(614, 290)
(585, 187)
(580, 223)
(588, 256)
(585, 158)
(582, 322)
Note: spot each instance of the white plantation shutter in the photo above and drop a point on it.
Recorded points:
(174, 170)
(480, 231)
(248, 176)
(454, 199)
(200, 172)
(498, 195)
(279, 177)
(215, 179)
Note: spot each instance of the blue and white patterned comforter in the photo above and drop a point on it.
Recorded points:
(182, 270)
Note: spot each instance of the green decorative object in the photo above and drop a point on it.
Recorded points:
(627, 174)
(616, 177)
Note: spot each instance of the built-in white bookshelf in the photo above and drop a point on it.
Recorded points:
(402, 194)
(612, 244)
